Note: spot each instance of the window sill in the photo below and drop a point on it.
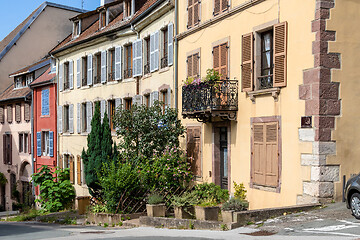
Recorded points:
(112, 82)
(45, 157)
(66, 90)
(266, 188)
(129, 80)
(84, 133)
(165, 69)
(148, 75)
(66, 134)
(44, 116)
(97, 85)
(85, 87)
(273, 91)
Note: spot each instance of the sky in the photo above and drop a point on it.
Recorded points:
(14, 12)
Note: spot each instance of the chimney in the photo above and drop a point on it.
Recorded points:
(103, 2)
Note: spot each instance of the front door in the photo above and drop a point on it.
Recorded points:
(223, 158)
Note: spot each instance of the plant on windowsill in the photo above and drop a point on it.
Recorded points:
(156, 206)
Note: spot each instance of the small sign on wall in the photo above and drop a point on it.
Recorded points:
(306, 122)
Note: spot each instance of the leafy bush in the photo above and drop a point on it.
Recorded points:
(185, 200)
(235, 204)
(3, 179)
(211, 193)
(98, 208)
(155, 199)
(55, 193)
(240, 191)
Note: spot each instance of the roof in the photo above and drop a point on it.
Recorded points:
(93, 30)
(44, 78)
(14, 94)
(9, 41)
(31, 67)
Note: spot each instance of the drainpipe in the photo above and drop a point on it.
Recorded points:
(56, 109)
(134, 30)
(32, 139)
(176, 55)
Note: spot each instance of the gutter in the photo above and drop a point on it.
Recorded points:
(152, 7)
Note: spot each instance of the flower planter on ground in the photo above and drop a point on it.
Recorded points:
(156, 210)
(207, 213)
(184, 212)
(227, 216)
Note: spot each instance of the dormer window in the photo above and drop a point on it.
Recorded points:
(53, 65)
(29, 79)
(129, 8)
(103, 21)
(18, 82)
(76, 29)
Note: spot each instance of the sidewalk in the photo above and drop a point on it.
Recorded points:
(8, 213)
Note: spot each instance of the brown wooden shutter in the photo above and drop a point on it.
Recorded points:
(272, 159)
(10, 149)
(27, 112)
(189, 66)
(190, 13)
(195, 67)
(224, 5)
(247, 73)
(60, 164)
(71, 169)
(78, 170)
(216, 60)
(224, 60)
(9, 114)
(2, 115)
(217, 5)
(194, 149)
(280, 58)
(18, 113)
(4, 149)
(258, 154)
(196, 12)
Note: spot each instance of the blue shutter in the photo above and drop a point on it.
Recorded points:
(51, 143)
(38, 143)
(45, 110)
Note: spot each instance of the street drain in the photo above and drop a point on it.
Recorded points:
(97, 232)
(260, 233)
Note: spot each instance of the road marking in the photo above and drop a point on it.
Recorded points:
(333, 233)
(330, 228)
(348, 222)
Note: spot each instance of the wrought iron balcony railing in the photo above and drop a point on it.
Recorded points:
(128, 73)
(111, 76)
(205, 101)
(84, 81)
(164, 62)
(265, 82)
(66, 85)
(97, 79)
(147, 68)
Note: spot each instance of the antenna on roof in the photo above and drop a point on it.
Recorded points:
(82, 4)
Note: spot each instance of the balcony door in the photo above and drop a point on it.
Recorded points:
(221, 161)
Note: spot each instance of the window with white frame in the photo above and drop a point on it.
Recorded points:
(45, 143)
(29, 79)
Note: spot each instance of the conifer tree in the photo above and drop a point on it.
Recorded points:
(106, 140)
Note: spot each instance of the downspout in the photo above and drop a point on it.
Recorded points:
(32, 139)
(176, 55)
(56, 109)
(137, 78)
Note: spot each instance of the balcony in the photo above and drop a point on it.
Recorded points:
(265, 82)
(207, 102)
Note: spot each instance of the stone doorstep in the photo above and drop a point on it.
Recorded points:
(242, 218)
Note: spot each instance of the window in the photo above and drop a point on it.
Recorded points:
(66, 76)
(9, 114)
(29, 79)
(26, 141)
(70, 163)
(193, 148)
(147, 55)
(147, 100)
(66, 161)
(193, 65)
(7, 149)
(2, 115)
(45, 143)
(128, 103)
(112, 110)
(102, 19)
(265, 148)
(18, 82)
(66, 118)
(13, 185)
(53, 65)
(77, 29)
(164, 52)
(17, 113)
(78, 169)
(27, 112)
(45, 109)
(84, 71)
(269, 49)
(193, 13)
(220, 6)
(111, 74)
(128, 62)
(21, 142)
(220, 59)
(97, 68)
(83, 118)
(164, 100)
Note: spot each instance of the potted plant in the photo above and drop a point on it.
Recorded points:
(184, 205)
(231, 206)
(209, 197)
(156, 206)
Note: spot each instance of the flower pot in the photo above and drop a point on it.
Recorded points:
(156, 210)
(227, 216)
(207, 213)
(184, 212)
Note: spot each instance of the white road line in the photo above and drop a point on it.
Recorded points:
(333, 233)
(330, 228)
(348, 222)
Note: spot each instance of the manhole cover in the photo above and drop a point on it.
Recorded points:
(260, 233)
(96, 232)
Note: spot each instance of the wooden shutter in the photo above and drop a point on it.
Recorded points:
(61, 78)
(137, 58)
(88, 116)
(60, 163)
(4, 149)
(71, 169)
(247, 71)
(170, 44)
(224, 5)
(272, 154)
(89, 70)
(51, 143)
(38, 144)
(10, 149)
(71, 118)
(102, 109)
(45, 110)
(78, 72)
(138, 99)
(156, 50)
(190, 13)
(280, 56)
(118, 56)
(27, 112)
(71, 74)
(9, 114)
(78, 118)
(217, 5)
(258, 154)
(193, 147)
(196, 12)
(223, 60)
(59, 117)
(78, 170)
(103, 67)
(2, 119)
(216, 58)
(189, 66)
(17, 112)
(154, 96)
(118, 104)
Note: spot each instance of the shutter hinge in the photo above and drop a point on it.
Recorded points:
(227, 47)
(212, 51)
(187, 60)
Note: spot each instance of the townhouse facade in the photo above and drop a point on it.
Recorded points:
(280, 120)
(118, 55)
(15, 118)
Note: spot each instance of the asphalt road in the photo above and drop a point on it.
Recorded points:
(332, 222)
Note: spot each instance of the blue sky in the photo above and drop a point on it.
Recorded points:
(14, 12)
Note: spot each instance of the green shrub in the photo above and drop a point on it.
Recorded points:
(98, 208)
(155, 199)
(240, 191)
(185, 200)
(3, 179)
(235, 204)
(209, 192)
